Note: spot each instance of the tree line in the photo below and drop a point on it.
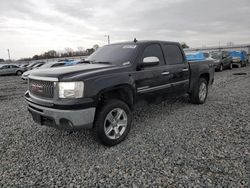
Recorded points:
(68, 52)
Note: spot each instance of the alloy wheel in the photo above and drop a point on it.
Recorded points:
(115, 123)
(203, 91)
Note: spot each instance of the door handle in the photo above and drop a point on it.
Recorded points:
(185, 70)
(165, 73)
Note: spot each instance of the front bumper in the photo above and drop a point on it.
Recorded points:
(236, 61)
(62, 119)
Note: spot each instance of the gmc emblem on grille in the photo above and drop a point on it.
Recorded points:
(36, 88)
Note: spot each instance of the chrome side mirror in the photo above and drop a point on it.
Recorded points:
(150, 61)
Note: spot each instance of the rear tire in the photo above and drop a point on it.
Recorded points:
(19, 73)
(112, 122)
(199, 94)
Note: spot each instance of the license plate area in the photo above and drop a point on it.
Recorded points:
(36, 117)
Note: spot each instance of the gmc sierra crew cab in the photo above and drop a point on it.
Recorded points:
(100, 94)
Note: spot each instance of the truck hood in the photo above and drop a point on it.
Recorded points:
(73, 72)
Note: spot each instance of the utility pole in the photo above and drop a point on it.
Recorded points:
(8, 53)
(108, 38)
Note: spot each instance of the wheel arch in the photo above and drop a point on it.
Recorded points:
(123, 92)
(206, 76)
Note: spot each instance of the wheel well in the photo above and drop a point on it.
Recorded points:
(19, 71)
(122, 93)
(205, 76)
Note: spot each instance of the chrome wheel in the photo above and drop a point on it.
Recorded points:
(203, 91)
(115, 123)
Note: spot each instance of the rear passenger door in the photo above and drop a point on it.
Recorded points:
(152, 79)
(178, 68)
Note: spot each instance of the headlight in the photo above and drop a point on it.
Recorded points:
(71, 89)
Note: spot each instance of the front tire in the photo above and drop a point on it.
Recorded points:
(112, 122)
(199, 95)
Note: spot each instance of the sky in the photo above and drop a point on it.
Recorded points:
(29, 27)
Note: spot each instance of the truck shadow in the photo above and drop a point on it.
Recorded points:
(144, 110)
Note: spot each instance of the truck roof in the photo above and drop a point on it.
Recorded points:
(146, 41)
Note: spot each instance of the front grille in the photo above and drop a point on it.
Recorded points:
(41, 88)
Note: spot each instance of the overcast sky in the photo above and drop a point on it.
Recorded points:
(30, 27)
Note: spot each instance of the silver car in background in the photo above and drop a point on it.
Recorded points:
(8, 69)
(44, 66)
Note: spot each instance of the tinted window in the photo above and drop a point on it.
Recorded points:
(58, 65)
(206, 55)
(6, 67)
(14, 66)
(216, 55)
(154, 50)
(173, 54)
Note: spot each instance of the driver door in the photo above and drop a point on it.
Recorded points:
(153, 78)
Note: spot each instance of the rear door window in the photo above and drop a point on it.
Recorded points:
(173, 54)
(6, 66)
(154, 50)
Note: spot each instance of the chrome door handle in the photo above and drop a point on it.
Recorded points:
(185, 70)
(165, 73)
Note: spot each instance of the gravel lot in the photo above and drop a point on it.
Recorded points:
(171, 144)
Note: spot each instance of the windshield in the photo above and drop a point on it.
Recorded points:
(216, 55)
(116, 54)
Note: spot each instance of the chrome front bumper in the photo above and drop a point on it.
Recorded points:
(62, 119)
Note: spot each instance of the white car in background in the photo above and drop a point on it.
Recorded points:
(44, 66)
(52, 65)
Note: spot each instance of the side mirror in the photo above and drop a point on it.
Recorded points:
(150, 61)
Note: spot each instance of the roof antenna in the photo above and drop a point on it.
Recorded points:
(135, 40)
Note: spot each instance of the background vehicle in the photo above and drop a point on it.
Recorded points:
(24, 65)
(222, 60)
(7, 69)
(37, 65)
(101, 93)
(239, 58)
(46, 66)
(197, 56)
(34, 65)
(208, 56)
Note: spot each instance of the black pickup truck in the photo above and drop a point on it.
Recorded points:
(101, 93)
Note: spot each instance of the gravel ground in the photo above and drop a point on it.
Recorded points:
(171, 144)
